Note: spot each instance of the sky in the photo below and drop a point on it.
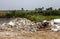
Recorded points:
(28, 4)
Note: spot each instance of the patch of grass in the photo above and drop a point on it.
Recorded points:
(41, 18)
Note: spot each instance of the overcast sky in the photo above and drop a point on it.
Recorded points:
(28, 4)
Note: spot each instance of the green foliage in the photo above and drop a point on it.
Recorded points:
(34, 15)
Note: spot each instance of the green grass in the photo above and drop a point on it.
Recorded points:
(41, 18)
(31, 16)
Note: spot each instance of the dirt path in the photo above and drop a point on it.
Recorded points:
(34, 35)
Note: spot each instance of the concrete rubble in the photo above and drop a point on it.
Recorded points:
(23, 24)
(55, 25)
(19, 24)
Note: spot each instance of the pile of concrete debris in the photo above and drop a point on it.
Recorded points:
(23, 24)
(55, 25)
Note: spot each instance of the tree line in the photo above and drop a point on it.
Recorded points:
(37, 11)
(36, 14)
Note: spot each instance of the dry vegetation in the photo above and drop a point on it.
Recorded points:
(2, 14)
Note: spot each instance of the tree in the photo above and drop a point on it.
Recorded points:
(22, 9)
(49, 8)
(36, 9)
(59, 9)
(13, 13)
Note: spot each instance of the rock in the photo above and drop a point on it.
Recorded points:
(57, 20)
(55, 25)
(11, 23)
(55, 28)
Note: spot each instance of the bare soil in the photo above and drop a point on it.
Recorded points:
(30, 35)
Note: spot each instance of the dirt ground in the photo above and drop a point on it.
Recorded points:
(30, 35)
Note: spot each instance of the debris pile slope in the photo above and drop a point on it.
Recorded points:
(23, 24)
(19, 24)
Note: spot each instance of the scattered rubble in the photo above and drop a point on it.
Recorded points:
(23, 24)
(55, 25)
(19, 24)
